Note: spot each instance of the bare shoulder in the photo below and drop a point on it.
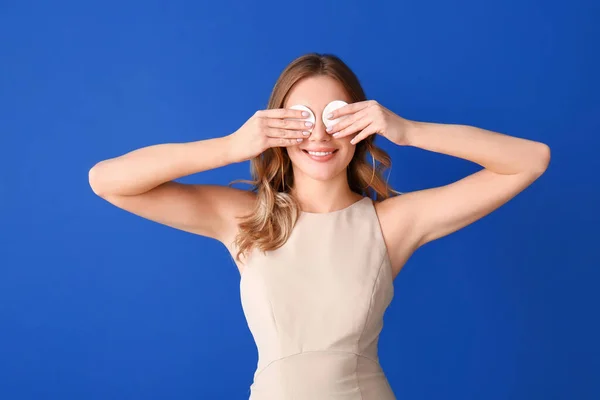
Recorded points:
(397, 222)
(239, 203)
(395, 205)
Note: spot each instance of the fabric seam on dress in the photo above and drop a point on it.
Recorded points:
(258, 373)
(381, 239)
(319, 351)
(313, 351)
(365, 323)
(277, 333)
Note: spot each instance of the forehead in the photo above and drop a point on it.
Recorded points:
(316, 92)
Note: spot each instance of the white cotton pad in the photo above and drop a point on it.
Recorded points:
(310, 118)
(334, 105)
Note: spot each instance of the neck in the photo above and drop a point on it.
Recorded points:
(321, 196)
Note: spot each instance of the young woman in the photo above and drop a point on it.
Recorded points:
(317, 255)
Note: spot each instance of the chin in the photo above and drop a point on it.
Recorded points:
(319, 175)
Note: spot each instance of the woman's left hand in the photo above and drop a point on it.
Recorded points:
(369, 117)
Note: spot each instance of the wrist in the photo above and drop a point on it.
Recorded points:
(228, 149)
(411, 134)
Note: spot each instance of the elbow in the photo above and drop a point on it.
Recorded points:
(95, 179)
(542, 159)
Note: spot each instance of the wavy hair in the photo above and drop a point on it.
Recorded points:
(276, 210)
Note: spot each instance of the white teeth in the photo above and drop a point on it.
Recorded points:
(320, 153)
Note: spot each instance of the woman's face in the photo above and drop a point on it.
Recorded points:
(315, 93)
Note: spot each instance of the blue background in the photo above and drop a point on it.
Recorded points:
(96, 303)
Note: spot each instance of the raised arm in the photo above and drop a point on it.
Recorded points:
(143, 180)
(143, 183)
(510, 165)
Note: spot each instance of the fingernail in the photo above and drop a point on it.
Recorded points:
(299, 139)
(308, 123)
(305, 113)
(329, 129)
(305, 133)
(330, 115)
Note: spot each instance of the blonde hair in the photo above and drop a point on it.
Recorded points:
(269, 225)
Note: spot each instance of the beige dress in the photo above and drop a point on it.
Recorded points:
(315, 309)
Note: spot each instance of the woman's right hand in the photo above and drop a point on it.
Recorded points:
(279, 127)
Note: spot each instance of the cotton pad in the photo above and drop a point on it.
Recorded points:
(310, 118)
(332, 106)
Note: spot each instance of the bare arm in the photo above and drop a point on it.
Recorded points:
(143, 169)
(142, 182)
(510, 165)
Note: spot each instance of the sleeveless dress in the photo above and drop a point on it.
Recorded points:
(315, 308)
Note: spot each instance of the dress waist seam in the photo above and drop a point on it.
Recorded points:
(313, 351)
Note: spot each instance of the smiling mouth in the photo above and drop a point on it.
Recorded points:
(320, 156)
(318, 152)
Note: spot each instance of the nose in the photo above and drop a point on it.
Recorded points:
(319, 134)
